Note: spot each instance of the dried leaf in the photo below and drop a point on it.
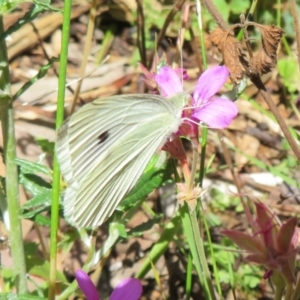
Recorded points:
(271, 36)
(232, 52)
(261, 64)
(266, 59)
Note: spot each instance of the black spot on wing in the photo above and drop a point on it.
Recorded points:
(103, 137)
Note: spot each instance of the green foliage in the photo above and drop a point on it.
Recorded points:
(289, 71)
(46, 145)
(239, 7)
(223, 201)
(39, 7)
(154, 177)
(39, 188)
(8, 5)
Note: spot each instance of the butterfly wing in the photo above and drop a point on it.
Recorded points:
(104, 148)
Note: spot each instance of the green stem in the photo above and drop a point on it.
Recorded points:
(297, 288)
(56, 173)
(202, 41)
(201, 254)
(188, 283)
(288, 292)
(12, 183)
(203, 150)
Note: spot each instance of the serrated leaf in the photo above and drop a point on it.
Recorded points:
(31, 214)
(32, 167)
(147, 183)
(42, 220)
(43, 200)
(34, 184)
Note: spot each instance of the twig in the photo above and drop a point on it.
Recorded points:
(266, 96)
(177, 7)
(141, 32)
(215, 13)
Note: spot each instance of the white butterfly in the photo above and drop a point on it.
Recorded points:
(105, 146)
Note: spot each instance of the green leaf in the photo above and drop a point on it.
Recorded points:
(153, 178)
(43, 199)
(121, 229)
(42, 220)
(8, 5)
(36, 265)
(34, 184)
(289, 71)
(46, 145)
(223, 8)
(31, 15)
(7, 273)
(239, 7)
(32, 167)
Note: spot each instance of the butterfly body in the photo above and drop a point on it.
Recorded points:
(106, 145)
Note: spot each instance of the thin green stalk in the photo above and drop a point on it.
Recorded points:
(56, 173)
(201, 253)
(288, 292)
(189, 233)
(213, 260)
(12, 183)
(278, 13)
(188, 281)
(203, 151)
(199, 18)
(297, 288)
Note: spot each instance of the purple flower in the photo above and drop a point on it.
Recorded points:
(128, 289)
(214, 111)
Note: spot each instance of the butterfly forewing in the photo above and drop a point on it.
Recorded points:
(104, 148)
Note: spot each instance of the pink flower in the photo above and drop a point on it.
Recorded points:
(128, 289)
(214, 111)
(272, 244)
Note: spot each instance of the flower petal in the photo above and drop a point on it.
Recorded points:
(86, 285)
(168, 81)
(209, 83)
(128, 289)
(217, 114)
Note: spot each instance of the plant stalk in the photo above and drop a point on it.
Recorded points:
(11, 182)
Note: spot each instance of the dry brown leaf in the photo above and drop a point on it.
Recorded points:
(271, 36)
(266, 59)
(232, 52)
(261, 63)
